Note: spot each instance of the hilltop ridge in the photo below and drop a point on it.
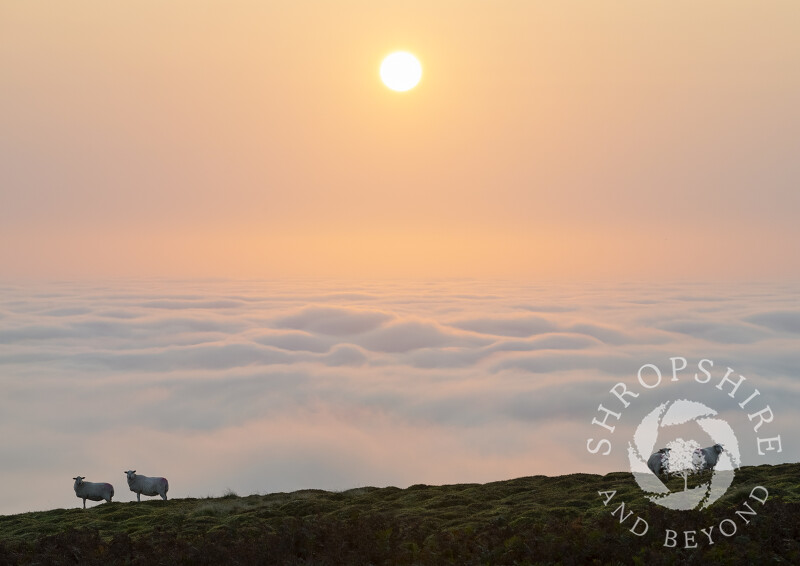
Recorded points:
(529, 520)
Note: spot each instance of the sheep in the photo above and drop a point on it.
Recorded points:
(659, 461)
(706, 458)
(665, 461)
(148, 486)
(92, 491)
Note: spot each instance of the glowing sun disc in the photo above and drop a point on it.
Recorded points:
(401, 71)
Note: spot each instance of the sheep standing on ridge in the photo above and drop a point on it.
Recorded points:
(659, 462)
(93, 491)
(148, 486)
(706, 458)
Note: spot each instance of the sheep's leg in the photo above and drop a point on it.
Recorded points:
(84, 503)
(138, 496)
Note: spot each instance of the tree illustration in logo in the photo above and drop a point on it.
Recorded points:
(657, 423)
(681, 459)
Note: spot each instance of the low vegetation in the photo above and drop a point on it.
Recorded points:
(532, 520)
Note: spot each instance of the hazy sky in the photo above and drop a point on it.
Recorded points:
(546, 139)
(230, 255)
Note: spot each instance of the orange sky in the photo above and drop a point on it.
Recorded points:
(628, 139)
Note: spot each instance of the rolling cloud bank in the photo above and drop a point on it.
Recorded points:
(275, 386)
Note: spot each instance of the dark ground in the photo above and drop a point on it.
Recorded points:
(533, 520)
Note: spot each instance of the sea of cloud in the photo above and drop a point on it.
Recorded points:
(274, 386)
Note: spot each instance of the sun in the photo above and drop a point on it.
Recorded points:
(401, 71)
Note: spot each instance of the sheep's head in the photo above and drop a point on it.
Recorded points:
(79, 480)
(130, 474)
(718, 448)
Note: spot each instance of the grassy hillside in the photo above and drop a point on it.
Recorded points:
(533, 520)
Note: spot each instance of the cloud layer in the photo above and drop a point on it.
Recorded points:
(277, 386)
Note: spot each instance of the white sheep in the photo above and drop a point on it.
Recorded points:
(93, 491)
(659, 462)
(148, 486)
(707, 458)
